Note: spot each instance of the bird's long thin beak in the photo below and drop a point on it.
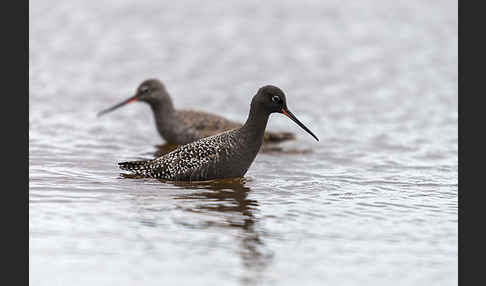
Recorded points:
(290, 115)
(131, 99)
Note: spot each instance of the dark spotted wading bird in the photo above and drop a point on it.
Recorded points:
(226, 155)
(185, 126)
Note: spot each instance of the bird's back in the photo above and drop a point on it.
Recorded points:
(206, 123)
(212, 157)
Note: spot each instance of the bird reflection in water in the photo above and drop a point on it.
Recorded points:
(231, 196)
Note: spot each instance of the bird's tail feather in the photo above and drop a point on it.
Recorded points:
(135, 165)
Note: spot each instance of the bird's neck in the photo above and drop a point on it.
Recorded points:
(162, 107)
(165, 117)
(255, 125)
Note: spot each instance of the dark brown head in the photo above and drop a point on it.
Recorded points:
(271, 99)
(151, 91)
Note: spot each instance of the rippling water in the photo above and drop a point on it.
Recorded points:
(373, 203)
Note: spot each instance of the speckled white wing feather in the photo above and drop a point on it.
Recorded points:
(185, 161)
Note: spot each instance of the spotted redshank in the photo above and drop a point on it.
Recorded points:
(225, 155)
(185, 126)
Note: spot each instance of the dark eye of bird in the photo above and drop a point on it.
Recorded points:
(276, 99)
(144, 89)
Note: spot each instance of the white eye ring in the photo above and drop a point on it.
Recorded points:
(275, 99)
(144, 89)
